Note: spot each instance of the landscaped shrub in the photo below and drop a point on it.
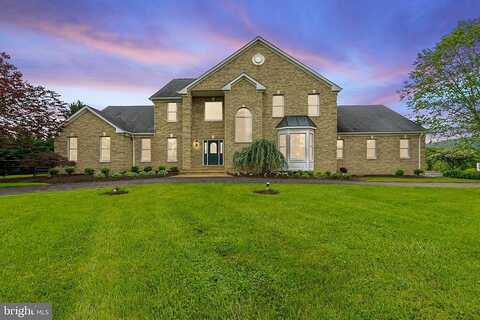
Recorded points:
(162, 172)
(89, 171)
(53, 172)
(339, 176)
(172, 169)
(399, 173)
(418, 172)
(462, 174)
(117, 175)
(147, 169)
(262, 158)
(69, 170)
(105, 171)
(135, 169)
(328, 173)
(160, 168)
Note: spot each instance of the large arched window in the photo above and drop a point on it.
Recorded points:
(243, 125)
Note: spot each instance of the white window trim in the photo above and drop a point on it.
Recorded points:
(282, 106)
(250, 136)
(170, 112)
(374, 157)
(317, 106)
(109, 150)
(142, 149)
(205, 112)
(407, 148)
(176, 150)
(341, 150)
(70, 149)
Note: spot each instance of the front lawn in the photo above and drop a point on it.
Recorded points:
(201, 251)
(417, 179)
(21, 184)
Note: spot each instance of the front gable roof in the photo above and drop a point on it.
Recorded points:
(243, 75)
(277, 50)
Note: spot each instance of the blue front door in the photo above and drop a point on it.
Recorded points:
(213, 152)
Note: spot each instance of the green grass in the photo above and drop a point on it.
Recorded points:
(21, 184)
(16, 176)
(220, 251)
(417, 179)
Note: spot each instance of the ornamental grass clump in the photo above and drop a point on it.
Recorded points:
(260, 158)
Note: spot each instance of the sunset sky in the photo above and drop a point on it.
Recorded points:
(120, 52)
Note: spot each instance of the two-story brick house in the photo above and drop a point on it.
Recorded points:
(257, 92)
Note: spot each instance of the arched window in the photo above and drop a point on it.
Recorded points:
(243, 125)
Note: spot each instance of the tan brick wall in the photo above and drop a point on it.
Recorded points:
(388, 154)
(278, 74)
(88, 128)
(203, 130)
(163, 130)
(243, 94)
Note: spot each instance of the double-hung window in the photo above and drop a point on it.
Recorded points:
(146, 154)
(404, 148)
(371, 149)
(340, 149)
(172, 150)
(72, 149)
(104, 149)
(172, 112)
(213, 111)
(278, 106)
(313, 105)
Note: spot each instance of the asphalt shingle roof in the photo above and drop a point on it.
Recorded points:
(296, 121)
(350, 119)
(170, 89)
(134, 119)
(373, 118)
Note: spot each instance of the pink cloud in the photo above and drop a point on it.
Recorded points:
(110, 43)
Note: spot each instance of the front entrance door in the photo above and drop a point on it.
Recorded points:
(213, 152)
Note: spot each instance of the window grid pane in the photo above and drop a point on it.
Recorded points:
(104, 149)
(171, 149)
(282, 144)
(371, 149)
(72, 149)
(313, 105)
(213, 111)
(339, 149)
(146, 154)
(278, 106)
(404, 149)
(243, 125)
(172, 112)
(297, 146)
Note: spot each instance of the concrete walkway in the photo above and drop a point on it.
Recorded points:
(228, 179)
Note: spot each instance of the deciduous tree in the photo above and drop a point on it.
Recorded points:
(443, 90)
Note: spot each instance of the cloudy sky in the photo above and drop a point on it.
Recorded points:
(120, 52)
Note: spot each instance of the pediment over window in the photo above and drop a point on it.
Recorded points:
(258, 85)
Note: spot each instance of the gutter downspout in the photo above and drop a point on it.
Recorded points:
(133, 150)
(420, 151)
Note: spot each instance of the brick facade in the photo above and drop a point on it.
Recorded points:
(279, 76)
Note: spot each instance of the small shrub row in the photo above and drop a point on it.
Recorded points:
(462, 174)
(134, 172)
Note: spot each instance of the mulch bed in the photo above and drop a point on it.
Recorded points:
(267, 191)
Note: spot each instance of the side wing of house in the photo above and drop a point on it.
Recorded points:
(93, 142)
(375, 140)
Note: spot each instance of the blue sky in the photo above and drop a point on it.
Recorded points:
(120, 52)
